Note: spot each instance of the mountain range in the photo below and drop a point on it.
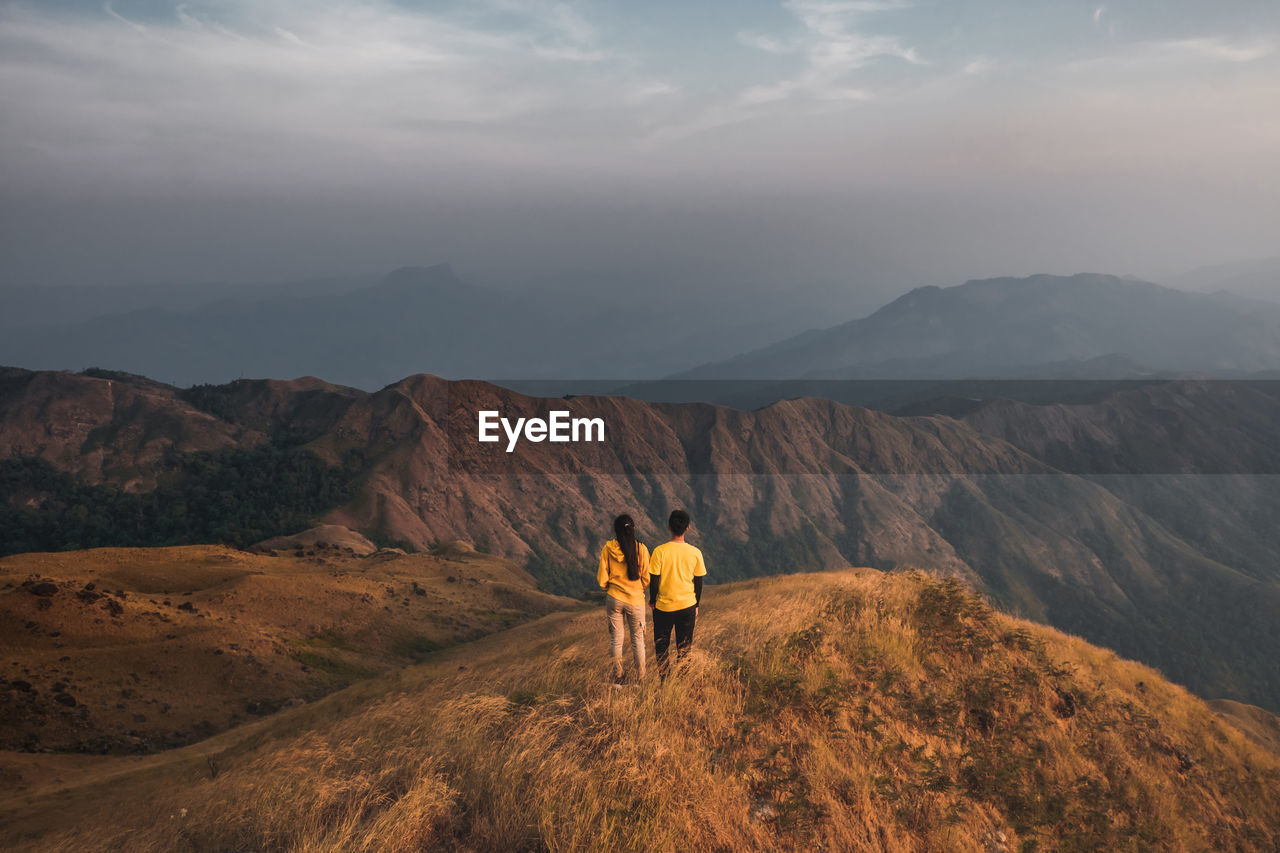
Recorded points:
(29, 307)
(369, 331)
(1143, 521)
(1042, 327)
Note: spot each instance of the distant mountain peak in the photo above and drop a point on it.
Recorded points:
(1044, 279)
(1006, 327)
(999, 286)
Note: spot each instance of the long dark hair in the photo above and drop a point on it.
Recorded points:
(625, 530)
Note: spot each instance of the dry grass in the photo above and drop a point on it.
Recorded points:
(258, 633)
(841, 711)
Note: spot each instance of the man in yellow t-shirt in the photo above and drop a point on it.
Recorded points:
(676, 569)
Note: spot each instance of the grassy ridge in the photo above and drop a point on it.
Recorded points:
(852, 711)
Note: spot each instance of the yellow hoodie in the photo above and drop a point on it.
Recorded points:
(612, 575)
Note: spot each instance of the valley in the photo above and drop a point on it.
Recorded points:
(1066, 513)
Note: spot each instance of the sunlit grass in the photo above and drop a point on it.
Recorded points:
(840, 711)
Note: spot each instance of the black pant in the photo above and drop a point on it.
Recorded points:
(663, 622)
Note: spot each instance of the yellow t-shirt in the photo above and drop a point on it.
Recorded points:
(612, 574)
(673, 567)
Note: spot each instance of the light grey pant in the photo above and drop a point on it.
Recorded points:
(633, 615)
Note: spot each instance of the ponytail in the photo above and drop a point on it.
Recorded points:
(625, 531)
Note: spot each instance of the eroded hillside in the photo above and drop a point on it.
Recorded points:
(1179, 577)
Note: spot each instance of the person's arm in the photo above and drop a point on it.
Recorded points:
(602, 574)
(642, 555)
(699, 572)
(655, 578)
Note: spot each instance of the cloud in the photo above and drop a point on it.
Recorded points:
(562, 32)
(242, 83)
(289, 36)
(979, 65)
(1168, 57)
(107, 7)
(831, 46)
(371, 94)
(834, 44)
(768, 44)
(1216, 49)
(655, 89)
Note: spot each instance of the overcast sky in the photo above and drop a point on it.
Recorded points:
(831, 145)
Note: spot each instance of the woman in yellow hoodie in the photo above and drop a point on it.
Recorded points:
(624, 575)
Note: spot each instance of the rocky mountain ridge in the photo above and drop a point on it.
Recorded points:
(802, 484)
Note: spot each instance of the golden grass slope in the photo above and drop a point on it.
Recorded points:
(1259, 725)
(840, 711)
(140, 649)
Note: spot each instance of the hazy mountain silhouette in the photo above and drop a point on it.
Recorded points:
(414, 319)
(1083, 326)
(1256, 279)
(27, 307)
(368, 332)
(359, 335)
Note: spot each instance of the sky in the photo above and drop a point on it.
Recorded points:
(842, 150)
